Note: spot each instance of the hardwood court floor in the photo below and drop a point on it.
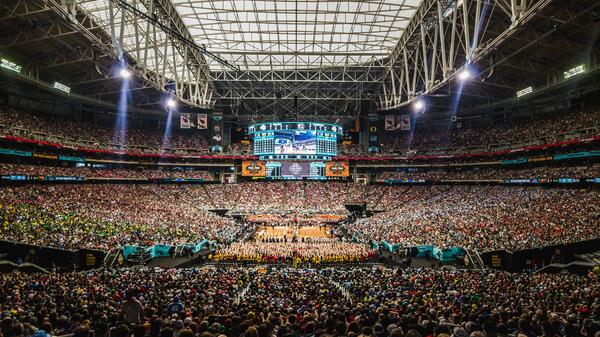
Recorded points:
(303, 232)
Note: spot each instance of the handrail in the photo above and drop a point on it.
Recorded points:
(478, 259)
(111, 257)
(104, 261)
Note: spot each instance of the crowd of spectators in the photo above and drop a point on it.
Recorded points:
(138, 137)
(65, 129)
(297, 197)
(485, 217)
(480, 217)
(89, 172)
(537, 130)
(308, 197)
(495, 173)
(107, 216)
(294, 302)
(313, 251)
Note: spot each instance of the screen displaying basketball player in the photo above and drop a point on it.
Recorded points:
(295, 142)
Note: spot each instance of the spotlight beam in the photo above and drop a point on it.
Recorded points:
(419, 105)
(464, 74)
(125, 73)
(171, 103)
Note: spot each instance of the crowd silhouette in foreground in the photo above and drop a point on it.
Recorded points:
(288, 302)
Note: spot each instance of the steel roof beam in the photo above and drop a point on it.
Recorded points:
(444, 37)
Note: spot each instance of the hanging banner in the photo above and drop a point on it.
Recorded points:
(202, 121)
(373, 132)
(405, 122)
(184, 121)
(390, 122)
(217, 131)
(393, 122)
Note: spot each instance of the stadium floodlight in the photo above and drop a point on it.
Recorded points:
(580, 69)
(171, 103)
(125, 73)
(419, 105)
(6, 64)
(524, 92)
(464, 74)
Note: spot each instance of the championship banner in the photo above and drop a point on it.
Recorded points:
(202, 121)
(337, 169)
(184, 121)
(254, 168)
(390, 122)
(393, 122)
(405, 122)
(217, 131)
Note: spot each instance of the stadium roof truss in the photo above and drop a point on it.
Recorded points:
(313, 57)
(289, 56)
(506, 44)
(62, 41)
(446, 37)
(160, 57)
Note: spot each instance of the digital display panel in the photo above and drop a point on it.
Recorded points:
(295, 170)
(295, 140)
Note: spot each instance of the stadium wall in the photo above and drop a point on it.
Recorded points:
(48, 257)
(533, 259)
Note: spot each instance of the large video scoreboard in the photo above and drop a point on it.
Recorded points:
(295, 140)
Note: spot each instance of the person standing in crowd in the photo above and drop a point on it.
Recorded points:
(175, 307)
(132, 310)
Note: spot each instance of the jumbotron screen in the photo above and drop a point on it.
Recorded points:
(295, 140)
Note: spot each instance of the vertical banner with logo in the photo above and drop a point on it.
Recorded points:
(185, 121)
(393, 122)
(202, 121)
(390, 122)
(373, 132)
(217, 132)
(405, 122)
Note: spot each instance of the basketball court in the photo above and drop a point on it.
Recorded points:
(290, 231)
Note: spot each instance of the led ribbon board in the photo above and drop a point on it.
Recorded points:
(6, 64)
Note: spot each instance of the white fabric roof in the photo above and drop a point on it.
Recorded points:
(282, 34)
(271, 35)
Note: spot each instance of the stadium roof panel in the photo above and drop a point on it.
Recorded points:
(278, 35)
